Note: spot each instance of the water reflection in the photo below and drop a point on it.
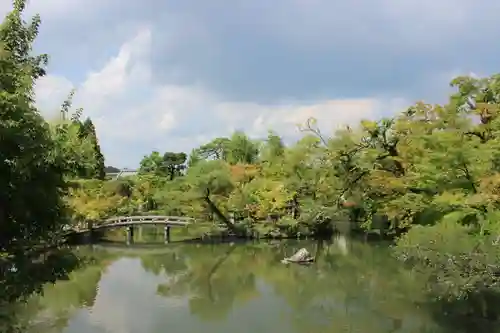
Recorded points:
(23, 275)
(353, 287)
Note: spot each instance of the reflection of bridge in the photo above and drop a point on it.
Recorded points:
(141, 249)
(130, 222)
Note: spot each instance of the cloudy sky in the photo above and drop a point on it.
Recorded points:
(168, 75)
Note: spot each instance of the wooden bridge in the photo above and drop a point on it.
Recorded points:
(130, 222)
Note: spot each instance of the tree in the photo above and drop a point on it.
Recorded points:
(236, 149)
(169, 165)
(174, 163)
(31, 176)
(240, 149)
(87, 130)
(111, 169)
(76, 152)
(216, 149)
(210, 180)
(273, 149)
(194, 157)
(152, 163)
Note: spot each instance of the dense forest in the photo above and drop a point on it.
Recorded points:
(429, 176)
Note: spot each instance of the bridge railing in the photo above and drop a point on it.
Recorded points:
(130, 220)
(147, 218)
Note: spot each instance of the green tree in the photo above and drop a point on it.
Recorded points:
(174, 163)
(273, 149)
(111, 169)
(210, 180)
(87, 130)
(75, 151)
(241, 149)
(169, 165)
(216, 149)
(31, 175)
(194, 157)
(152, 163)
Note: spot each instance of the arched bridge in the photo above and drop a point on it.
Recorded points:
(131, 221)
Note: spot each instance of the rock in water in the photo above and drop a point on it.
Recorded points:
(301, 256)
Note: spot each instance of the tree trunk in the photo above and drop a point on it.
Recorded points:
(219, 214)
(295, 207)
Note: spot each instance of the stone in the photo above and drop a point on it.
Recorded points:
(301, 256)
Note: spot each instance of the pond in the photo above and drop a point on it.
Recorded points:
(244, 288)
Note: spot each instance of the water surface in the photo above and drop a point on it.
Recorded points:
(353, 287)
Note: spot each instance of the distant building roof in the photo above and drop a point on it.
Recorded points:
(122, 173)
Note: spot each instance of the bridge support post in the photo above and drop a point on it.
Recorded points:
(130, 235)
(139, 232)
(89, 235)
(166, 234)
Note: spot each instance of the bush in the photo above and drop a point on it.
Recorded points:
(455, 262)
(120, 187)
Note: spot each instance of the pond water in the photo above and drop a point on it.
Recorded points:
(244, 288)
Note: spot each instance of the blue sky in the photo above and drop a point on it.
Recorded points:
(168, 75)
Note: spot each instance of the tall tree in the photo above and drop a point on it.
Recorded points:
(30, 175)
(88, 131)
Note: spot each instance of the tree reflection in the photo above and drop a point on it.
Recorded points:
(364, 290)
(29, 291)
(354, 287)
(214, 281)
(171, 263)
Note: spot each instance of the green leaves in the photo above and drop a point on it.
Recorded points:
(31, 176)
(73, 153)
(211, 177)
(236, 149)
(456, 263)
(169, 165)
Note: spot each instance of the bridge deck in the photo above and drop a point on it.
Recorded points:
(125, 221)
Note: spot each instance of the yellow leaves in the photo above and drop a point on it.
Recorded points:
(449, 198)
(385, 182)
(369, 125)
(92, 206)
(486, 111)
(4, 53)
(243, 173)
(491, 185)
(459, 199)
(267, 196)
(96, 200)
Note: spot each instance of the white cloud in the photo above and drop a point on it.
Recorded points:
(50, 92)
(168, 87)
(285, 118)
(133, 115)
(113, 311)
(115, 77)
